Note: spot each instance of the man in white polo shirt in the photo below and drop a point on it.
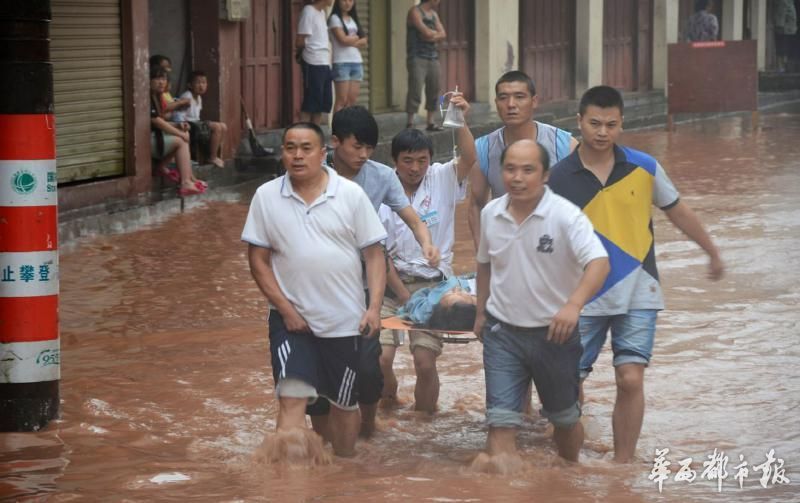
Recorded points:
(539, 262)
(434, 190)
(306, 232)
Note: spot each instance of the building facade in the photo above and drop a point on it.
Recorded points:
(100, 51)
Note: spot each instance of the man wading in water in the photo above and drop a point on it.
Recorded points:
(307, 232)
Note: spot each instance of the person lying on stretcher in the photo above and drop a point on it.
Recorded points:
(450, 305)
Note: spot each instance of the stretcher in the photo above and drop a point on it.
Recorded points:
(448, 336)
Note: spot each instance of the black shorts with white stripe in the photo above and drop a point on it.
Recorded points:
(327, 364)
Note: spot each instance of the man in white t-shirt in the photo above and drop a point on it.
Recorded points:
(434, 190)
(307, 231)
(539, 262)
(312, 38)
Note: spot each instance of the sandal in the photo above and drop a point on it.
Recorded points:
(170, 174)
(201, 184)
(434, 127)
(193, 191)
(219, 163)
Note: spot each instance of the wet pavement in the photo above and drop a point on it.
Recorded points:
(167, 392)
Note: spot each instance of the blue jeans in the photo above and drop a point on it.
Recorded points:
(512, 356)
(632, 336)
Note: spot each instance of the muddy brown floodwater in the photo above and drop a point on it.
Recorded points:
(167, 391)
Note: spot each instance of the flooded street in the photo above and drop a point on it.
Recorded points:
(167, 391)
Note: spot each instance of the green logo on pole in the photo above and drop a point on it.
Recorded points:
(23, 182)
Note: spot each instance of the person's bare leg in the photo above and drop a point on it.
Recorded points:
(410, 120)
(342, 89)
(183, 160)
(389, 378)
(291, 413)
(501, 441)
(320, 425)
(215, 142)
(368, 413)
(305, 117)
(344, 426)
(426, 392)
(569, 441)
(628, 410)
(352, 94)
(316, 118)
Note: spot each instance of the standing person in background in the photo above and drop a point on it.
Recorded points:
(423, 31)
(703, 25)
(312, 38)
(348, 38)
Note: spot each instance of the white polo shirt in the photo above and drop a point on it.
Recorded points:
(314, 26)
(435, 203)
(316, 248)
(538, 264)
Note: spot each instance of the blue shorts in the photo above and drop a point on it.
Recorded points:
(632, 337)
(317, 92)
(348, 71)
(513, 356)
(329, 365)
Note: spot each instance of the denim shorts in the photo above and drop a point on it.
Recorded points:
(348, 71)
(512, 357)
(632, 337)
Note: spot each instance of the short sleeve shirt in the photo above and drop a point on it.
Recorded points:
(435, 202)
(382, 186)
(316, 249)
(192, 113)
(621, 213)
(702, 26)
(489, 148)
(313, 24)
(344, 53)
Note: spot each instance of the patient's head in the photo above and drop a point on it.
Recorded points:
(455, 311)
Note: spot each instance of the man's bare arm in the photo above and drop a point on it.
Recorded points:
(260, 260)
(687, 221)
(375, 259)
(479, 196)
(422, 234)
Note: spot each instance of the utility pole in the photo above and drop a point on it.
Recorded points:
(30, 366)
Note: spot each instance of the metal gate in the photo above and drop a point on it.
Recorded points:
(86, 51)
(627, 44)
(456, 52)
(547, 42)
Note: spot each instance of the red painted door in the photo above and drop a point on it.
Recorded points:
(547, 42)
(619, 33)
(262, 38)
(293, 79)
(627, 44)
(456, 52)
